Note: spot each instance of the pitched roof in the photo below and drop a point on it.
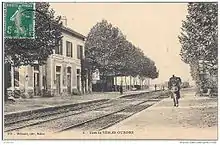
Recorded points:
(73, 33)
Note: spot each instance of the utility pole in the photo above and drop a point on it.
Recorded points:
(26, 82)
(121, 86)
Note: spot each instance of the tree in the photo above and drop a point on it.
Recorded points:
(108, 50)
(47, 34)
(122, 55)
(99, 47)
(199, 39)
(29, 51)
(199, 36)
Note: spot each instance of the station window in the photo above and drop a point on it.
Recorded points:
(68, 69)
(79, 51)
(59, 48)
(69, 49)
(58, 68)
(78, 71)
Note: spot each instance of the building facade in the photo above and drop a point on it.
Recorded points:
(64, 66)
(61, 75)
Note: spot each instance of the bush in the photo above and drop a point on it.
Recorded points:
(47, 93)
(138, 87)
(76, 92)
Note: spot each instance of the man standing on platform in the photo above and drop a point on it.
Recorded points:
(175, 82)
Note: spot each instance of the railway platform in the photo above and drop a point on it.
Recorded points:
(195, 119)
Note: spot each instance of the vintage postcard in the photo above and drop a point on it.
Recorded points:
(110, 70)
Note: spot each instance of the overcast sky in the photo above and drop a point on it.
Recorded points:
(152, 27)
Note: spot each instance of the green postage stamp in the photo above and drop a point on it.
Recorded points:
(19, 20)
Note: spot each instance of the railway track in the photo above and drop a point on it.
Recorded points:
(95, 116)
(56, 114)
(28, 115)
(110, 119)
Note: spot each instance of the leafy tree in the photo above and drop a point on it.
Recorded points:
(47, 34)
(29, 51)
(199, 36)
(99, 47)
(199, 40)
(123, 55)
(108, 50)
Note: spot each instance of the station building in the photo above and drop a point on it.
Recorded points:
(59, 76)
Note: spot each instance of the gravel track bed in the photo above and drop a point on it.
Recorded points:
(24, 117)
(101, 123)
(65, 118)
(62, 123)
(119, 105)
(51, 125)
(137, 96)
(112, 119)
(37, 120)
(34, 121)
(138, 108)
(145, 95)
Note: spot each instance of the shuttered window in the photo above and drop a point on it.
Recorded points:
(79, 51)
(59, 48)
(69, 49)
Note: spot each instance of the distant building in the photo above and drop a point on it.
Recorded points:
(95, 76)
(112, 82)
